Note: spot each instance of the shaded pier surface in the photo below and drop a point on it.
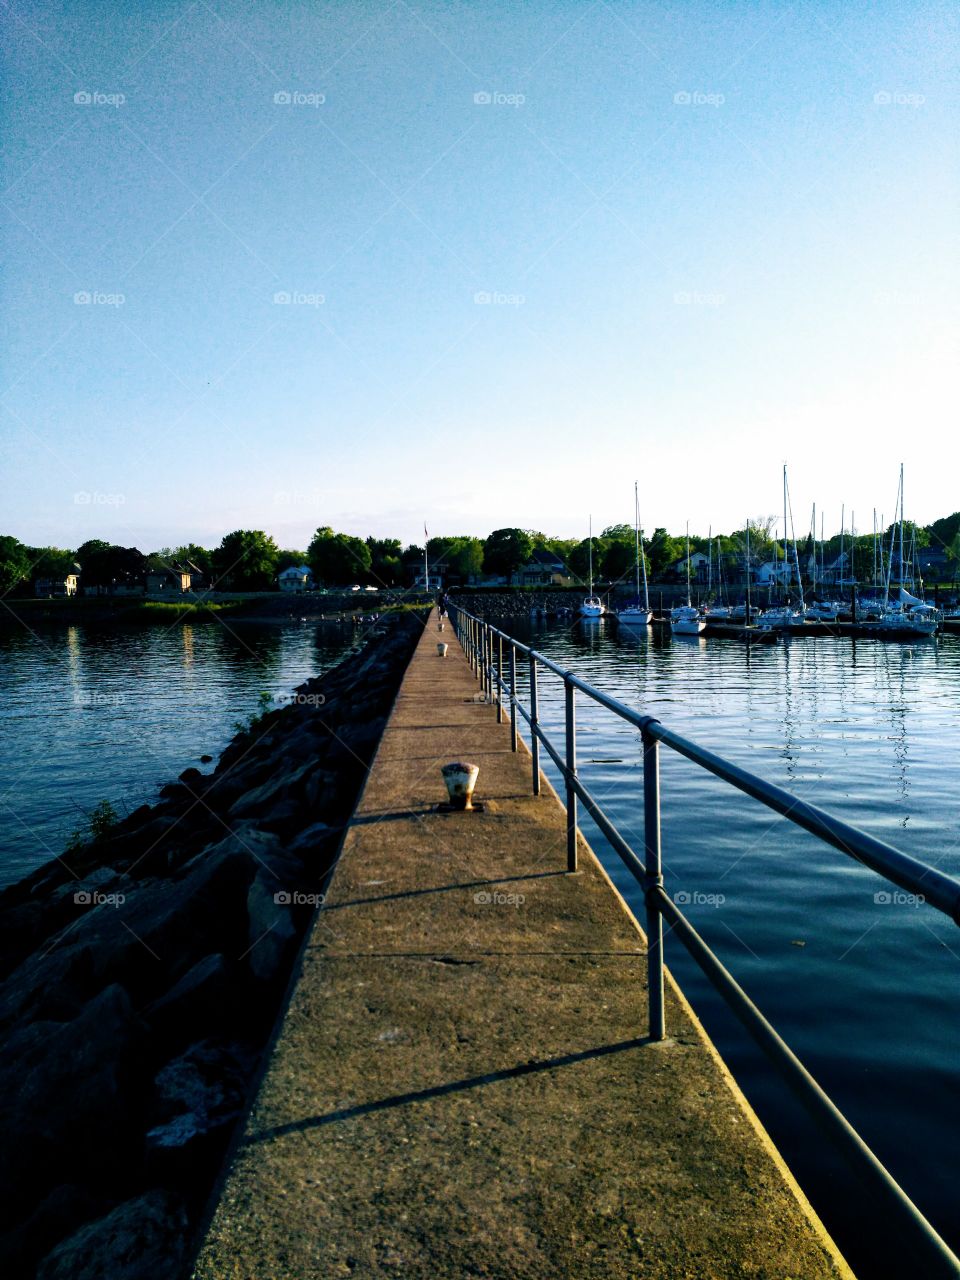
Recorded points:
(460, 1086)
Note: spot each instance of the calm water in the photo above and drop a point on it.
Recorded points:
(90, 714)
(870, 1001)
(869, 730)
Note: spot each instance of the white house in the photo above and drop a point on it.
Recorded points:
(544, 569)
(773, 573)
(65, 584)
(171, 579)
(297, 577)
(699, 566)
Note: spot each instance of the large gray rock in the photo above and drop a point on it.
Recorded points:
(66, 1097)
(203, 999)
(162, 929)
(199, 1093)
(141, 1239)
(283, 785)
(272, 933)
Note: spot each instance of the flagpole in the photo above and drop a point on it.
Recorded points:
(426, 563)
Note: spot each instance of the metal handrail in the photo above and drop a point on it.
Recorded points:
(482, 644)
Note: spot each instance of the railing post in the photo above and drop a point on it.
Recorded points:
(654, 870)
(534, 725)
(488, 659)
(499, 679)
(571, 726)
(513, 697)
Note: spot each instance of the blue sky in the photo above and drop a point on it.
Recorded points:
(531, 254)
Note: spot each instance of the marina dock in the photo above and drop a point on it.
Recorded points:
(461, 1086)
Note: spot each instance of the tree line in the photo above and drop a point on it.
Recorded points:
(250, 559)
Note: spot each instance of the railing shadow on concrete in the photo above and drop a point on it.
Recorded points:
(443, 888)
(493, 656)
(443, 1090)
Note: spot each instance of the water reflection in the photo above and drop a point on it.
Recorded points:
(867, 730)
(94, 713)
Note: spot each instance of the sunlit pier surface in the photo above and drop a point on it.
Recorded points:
(461, 1085)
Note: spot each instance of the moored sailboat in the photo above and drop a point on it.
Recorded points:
(592, 606)
(787, 615)
(685, 620)
(907, 616)
(638, 613)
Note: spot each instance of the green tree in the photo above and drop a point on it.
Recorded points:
(247, 559)
(162, 559)
(113, 566)
(910, 530)
(618, 533)
(412, 562)
(579, 558)
(192, 553)
(664, 551)
(288, 559)
(337, 559)
(943, 532)
(466, 558)
(562, 548)
(15, 564)
(619, 559)
(51, 562)
(505, 550)
(87, 549)
(461, 556)
(386, 566)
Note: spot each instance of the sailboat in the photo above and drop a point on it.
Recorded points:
(718, 611)
(685, 620)
(638, 613)
(592, 606)
(786, 615)
(906, 616)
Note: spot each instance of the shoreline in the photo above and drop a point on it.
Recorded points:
(141, 973)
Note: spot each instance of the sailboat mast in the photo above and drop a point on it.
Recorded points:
(823, 552)
(901, 527)
(875, 583)
(709, 560)
(747, 573)
(590, 555)
(636, 536)
(689, 602)
(786, 562)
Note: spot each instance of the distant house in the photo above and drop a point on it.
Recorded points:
(699, 567)
(170, 580)
(773, 573)
(429, 583)
(295, 578)
(544, 569)
(66, 584)
(838, 572)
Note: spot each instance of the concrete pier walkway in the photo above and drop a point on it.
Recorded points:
(460, 1086)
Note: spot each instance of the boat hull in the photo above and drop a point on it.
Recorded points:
(687, 623)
